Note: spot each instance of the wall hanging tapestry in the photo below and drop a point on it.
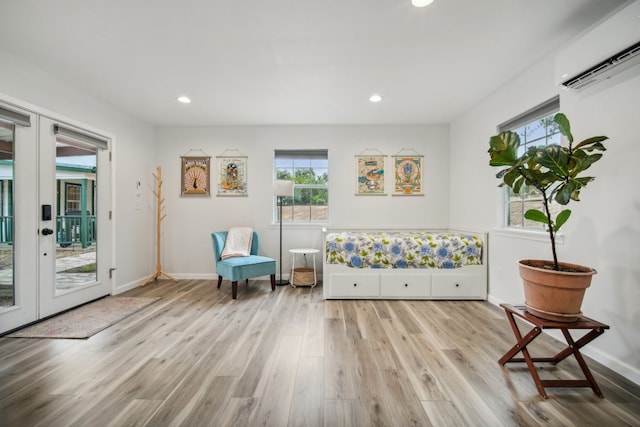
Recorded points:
(195, 174)
(407, 173)
(232, 174)
(370, 173)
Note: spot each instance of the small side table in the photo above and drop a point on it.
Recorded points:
(596, 329)
(304, 253)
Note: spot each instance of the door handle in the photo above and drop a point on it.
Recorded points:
(47, 231)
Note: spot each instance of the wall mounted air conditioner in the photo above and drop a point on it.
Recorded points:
(610, 51)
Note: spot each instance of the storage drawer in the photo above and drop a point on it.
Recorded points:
(458, 286)
(405, 286)
(347, 285)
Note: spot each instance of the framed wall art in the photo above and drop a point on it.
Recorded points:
(370, 175)
(195, 176)
(407, 174)
(232, 175)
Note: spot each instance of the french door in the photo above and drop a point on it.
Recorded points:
(55, 230)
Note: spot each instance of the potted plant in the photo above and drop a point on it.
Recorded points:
(553, 290)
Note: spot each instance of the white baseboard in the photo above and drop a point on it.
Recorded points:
(127, 286)
(196, 276)
(210, 276)
(629, 372)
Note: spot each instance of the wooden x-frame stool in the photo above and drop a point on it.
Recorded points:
(596, 329)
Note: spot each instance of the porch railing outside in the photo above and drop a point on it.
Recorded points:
(70, 230)
(6, 229)
(73, 229)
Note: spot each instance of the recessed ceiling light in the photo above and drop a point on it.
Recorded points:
(375, 98)
(184, 99)
(421, 3)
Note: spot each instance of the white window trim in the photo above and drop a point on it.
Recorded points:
(527, 234)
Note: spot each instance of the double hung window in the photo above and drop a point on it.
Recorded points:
(309, 170)
(535, 128)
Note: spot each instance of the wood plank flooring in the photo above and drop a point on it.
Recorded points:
(288, 358)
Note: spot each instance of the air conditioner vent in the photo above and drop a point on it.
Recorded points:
(603, 70)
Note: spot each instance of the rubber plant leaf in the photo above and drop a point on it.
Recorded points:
(564, 125)
(535, 215)
(561, 219)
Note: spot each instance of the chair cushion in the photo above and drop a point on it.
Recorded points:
(238, 268)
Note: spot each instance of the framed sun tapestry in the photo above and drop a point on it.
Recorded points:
(370, 175)
(195, 176)
(232, 175)
(407, 175)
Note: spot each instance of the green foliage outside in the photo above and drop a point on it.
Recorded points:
(308, 195)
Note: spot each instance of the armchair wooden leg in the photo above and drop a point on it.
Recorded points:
(234, 289)
(273, 282)
(219, 281)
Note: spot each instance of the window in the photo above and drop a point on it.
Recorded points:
(309, 170)
(535, 127)
(73, 192)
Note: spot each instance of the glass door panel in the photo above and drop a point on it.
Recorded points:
(7, 284)
(76, 237)
(18, 218)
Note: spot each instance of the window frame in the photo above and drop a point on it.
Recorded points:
(295, 156)
(519, 124)
(76, 187)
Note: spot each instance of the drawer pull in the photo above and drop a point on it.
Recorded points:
(457, 285)
(406, 285)
(355, 284)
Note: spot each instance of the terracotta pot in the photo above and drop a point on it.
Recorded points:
(554, 295)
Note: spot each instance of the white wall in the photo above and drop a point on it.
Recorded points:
(604, 229)
(133, 157)
(190, 221)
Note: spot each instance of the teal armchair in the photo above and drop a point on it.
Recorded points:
(244, 267)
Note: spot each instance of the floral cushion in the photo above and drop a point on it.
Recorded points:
(403, 249)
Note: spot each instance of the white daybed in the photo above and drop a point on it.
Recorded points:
(404, 264)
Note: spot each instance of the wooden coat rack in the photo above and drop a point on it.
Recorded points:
(159, 218)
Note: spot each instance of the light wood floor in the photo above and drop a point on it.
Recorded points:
(288, 358)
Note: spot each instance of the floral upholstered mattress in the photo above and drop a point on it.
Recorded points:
(406, 249)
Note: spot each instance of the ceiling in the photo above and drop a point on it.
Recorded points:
(291, 61)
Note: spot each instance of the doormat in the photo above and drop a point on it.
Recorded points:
(87, 320)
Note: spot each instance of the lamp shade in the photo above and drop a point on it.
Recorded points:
(282, 187)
